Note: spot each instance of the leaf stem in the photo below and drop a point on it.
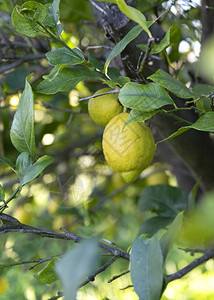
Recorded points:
(60, 41)
(14, 195)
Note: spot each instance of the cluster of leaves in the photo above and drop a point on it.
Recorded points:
(70, 66)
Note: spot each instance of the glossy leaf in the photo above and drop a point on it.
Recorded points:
(140, 116)
(172, 36)
(163, 199)
(204, 123)
(130, 36)
(22, 129)
(173, 85)
(76, 265)
(27, 171)
(62, 56)
(172, 234)
(65, 80)
(23, 18)
(144, 97)
(147, 268)
(203, 89)
(48, 275)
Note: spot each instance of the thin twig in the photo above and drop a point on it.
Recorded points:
(150, 43)
(195, 263)
(98, 95)
(50, 106)
(118, 276)
(20, 61)
(102, 269)
(98, 7)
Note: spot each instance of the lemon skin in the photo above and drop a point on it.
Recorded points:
(128, 150)
(103, 108)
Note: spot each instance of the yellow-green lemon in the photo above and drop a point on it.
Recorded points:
(103, 108)
(128, 150)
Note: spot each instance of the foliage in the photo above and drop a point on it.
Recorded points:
(53, 173)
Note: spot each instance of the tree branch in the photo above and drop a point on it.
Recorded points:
(11, 224)
(195, 263)
(20, 61)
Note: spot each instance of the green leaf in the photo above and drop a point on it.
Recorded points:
(130, 36)
(203, 89)
(192, 196)
(163, 199)
(152, 225)
(76, 265)
(25, 18)
(62, 56)
(2, 194)
(65, 80)
(133, 14)
(49, 18)
(22, 129)
(173, 85)
(147, 268)
(204, 123)
(7, 161)
(48, 275)
(172, 234)
(140, 116)
(172, 36)
(119, 81)
(198, 229)
(144, 97)
(27, 171)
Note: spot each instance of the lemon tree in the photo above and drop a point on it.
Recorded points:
(103, 108)
(130, 149)
(147, 60)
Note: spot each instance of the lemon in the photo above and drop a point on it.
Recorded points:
(128, 150)
(103, 108)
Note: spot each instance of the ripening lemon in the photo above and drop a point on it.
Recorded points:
(128, 150)
(103, 108)
(3, 285)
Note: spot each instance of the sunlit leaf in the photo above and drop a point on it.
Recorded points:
(133, 14)
(173, 85)
(22, 129)
(62, 56)
(144, 97)
(171, 37)
(48, 275)
(204, 123)
(28, 171)
(130, 36)
(25, 18)
(66, 79)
